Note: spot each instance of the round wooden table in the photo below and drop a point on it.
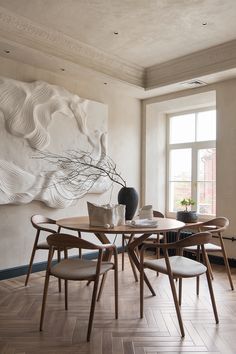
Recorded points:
(81, 224)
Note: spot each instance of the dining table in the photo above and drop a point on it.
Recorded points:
(81, 225)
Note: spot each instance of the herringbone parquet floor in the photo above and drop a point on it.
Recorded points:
(158, 332)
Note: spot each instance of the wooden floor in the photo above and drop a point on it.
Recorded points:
(158, 332)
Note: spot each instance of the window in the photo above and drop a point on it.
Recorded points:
(192, 160)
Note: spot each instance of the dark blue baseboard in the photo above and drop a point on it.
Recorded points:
(37, 267)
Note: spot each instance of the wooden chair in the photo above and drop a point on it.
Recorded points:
(216, 227)
(126, 239)
(40, 223)
(178, 267)
(78, 269)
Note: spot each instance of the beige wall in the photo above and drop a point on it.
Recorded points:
(224, 95)
(124, 132)
(226, 152)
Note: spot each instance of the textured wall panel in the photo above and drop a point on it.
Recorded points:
(39, 116)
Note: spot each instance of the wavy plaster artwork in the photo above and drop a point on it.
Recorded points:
(44, 117)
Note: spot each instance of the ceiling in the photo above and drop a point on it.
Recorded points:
(147, 44)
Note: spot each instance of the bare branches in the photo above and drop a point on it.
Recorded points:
(78, 170)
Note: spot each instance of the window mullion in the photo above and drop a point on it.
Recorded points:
(194, 174)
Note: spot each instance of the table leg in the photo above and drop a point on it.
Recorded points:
(131, 249)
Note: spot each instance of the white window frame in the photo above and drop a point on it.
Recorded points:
(195, 146)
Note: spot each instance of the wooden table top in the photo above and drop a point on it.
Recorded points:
(81, 223)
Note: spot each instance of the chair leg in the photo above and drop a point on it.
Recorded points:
(58, 260)
(173, 289)
(198, 256)
(66, 294)
(212, 296)
(116, 291)
(80, 250)
(123, 253)
(30, 265)
(180, 291)
(204, 254)
(209, 267)
(101, 286)
(141, 291)
(227, 265)
(157, 251)
(45, 291)
(92, 309)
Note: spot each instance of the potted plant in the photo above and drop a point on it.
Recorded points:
(187, 216)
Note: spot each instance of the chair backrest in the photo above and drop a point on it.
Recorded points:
(216, 225)
(65, 241)
(38, 222)
(158, 214)
(197, 239)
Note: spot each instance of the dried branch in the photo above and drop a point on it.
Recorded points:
(78, 170)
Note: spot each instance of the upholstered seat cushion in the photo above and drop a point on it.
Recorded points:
(78, 269)
(181, 266)
(43, 245)
(151, 237)
(208, 247)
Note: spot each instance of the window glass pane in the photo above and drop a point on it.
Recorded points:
(206, 197)
(182, 129)
(206, 125)
(178, 191)
(207, 164)
(180, 165)
(206, 187)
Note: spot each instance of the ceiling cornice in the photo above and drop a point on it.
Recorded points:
(23, 31)
(73, 53)
(205, 62)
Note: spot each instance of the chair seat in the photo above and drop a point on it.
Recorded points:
(43, 245)
(181, 266)
(209, 247)
(78, 269)
(152, 237)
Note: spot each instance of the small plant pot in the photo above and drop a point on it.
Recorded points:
(187, 216)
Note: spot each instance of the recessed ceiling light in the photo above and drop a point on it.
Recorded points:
(115, 32)
(204, 23)
(7, 51)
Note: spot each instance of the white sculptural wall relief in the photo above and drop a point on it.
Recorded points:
(45, 117)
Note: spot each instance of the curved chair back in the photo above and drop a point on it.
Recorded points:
(216, 225)
(65, 241)
(158, 214)
(39, 220)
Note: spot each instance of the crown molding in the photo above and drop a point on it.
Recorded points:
(205, 62)
(54, 44)
(23, 31)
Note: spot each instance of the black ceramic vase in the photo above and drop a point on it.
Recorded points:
(128, 197)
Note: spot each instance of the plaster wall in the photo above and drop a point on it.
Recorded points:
(124, 132)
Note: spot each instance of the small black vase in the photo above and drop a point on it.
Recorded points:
(128, 197)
